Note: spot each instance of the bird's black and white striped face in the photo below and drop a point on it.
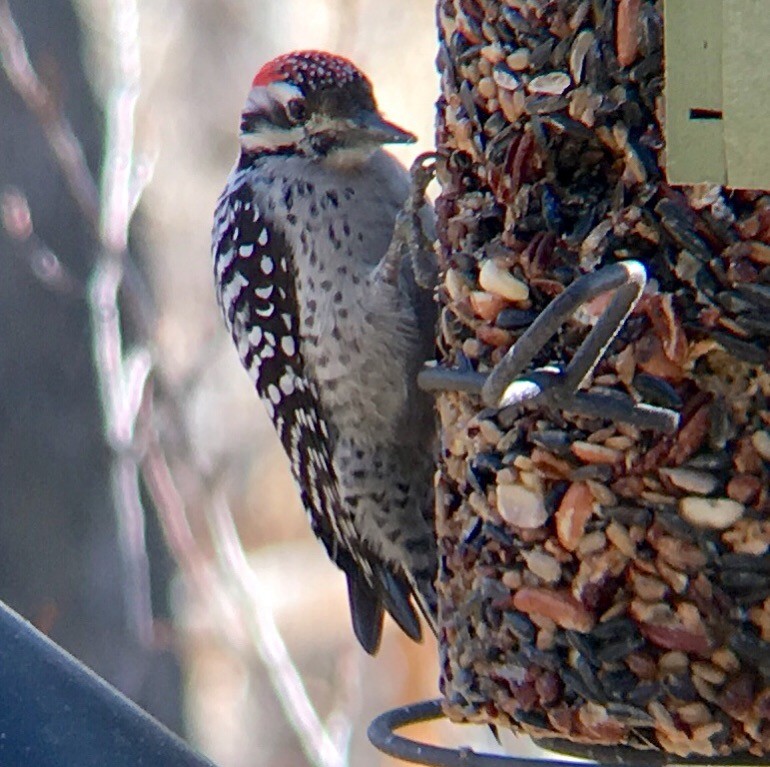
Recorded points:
(316, 105)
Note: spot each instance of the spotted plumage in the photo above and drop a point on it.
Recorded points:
(312, 69)
(331, 338)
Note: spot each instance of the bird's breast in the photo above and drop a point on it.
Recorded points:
(357, 342)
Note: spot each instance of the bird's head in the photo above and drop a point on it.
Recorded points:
(317, 105)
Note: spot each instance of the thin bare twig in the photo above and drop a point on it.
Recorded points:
(118, 199)
(349, 696)
(121, 382)
(61, 138)
(16, 219)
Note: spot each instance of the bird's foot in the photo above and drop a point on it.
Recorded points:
(419, 245)
(409, 237)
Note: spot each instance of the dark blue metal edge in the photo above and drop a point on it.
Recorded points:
(55, 712)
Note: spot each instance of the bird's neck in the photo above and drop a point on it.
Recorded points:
(343, 159)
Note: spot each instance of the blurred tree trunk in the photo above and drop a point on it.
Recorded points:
(59, 555)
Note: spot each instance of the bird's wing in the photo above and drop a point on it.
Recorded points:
(256, 293)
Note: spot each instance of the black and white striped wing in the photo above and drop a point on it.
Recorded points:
(256, 293)
(257, 296)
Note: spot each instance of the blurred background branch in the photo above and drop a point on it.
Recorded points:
(61, 138)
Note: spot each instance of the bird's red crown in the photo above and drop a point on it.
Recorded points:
(310, 69)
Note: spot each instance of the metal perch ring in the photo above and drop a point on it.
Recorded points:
(506, 386)
(382, 735)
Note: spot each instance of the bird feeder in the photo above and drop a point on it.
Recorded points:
(603, 514)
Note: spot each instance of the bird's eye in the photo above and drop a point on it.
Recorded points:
(296, 110)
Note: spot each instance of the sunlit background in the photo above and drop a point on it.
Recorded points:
(261, 649)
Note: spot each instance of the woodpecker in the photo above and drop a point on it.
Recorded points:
(333, 323)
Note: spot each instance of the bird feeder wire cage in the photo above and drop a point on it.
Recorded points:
(603, 515)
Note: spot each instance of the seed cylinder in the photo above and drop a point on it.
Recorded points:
(600, 581)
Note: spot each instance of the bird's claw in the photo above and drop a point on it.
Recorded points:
(421, 172)
(419, 245)
(409, 238)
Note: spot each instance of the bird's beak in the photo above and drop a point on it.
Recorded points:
(371, 127)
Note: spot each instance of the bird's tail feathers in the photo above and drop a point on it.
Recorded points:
(366, 612)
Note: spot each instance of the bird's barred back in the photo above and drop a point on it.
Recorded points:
(255, 289)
